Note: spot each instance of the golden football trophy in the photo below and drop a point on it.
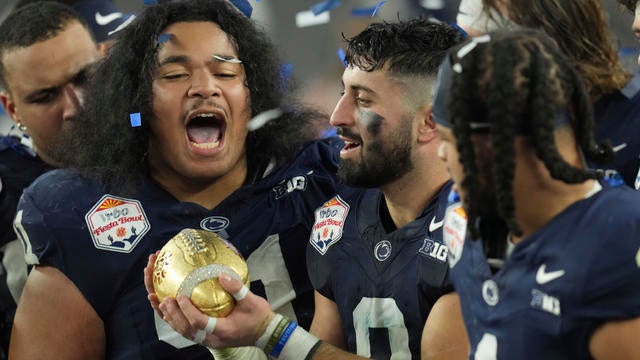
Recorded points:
(190, 264)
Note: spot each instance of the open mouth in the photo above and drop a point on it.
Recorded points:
(350, 144)
(205, 130)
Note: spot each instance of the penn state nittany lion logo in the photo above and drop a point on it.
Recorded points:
(329, 224)
(117, 224)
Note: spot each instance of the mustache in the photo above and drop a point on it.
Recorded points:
(348, 134)
(209, 103)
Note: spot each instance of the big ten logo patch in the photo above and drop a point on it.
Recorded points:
(289, 186)
(117, 224)
(329, 224)
(433, 250)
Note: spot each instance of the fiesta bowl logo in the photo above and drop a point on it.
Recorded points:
(117, 224)
(455, 230)
(327, 229)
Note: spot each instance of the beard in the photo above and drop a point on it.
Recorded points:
(381, 162)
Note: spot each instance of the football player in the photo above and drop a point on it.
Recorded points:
(164, 145)
(366, 245)
(580, 29)
(46, 51)
(516, 127)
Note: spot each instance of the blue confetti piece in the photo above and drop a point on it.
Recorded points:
(135, 119)
(461, 30)
(367, 11)
(150, 2)
(243, 6)
(341, 55)
(285, 75)
(453, 197)
(327, 5)
(163, 38)
(364, 11)
(378, 7)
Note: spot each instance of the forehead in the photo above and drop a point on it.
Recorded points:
(198, 38)
(47, 63)
(377, 81)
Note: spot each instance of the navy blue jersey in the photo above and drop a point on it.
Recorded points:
(558, 285)
(371, 274)
(19, 167)
(102, 241)
(618, 119)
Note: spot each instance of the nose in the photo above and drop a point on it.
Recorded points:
(203, 84)
(342, 115)
(73, 99)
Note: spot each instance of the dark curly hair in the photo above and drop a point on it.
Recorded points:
(412, 47)
(114, 151)
(518, 80)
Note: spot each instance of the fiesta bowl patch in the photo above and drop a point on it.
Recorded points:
(455, 230)
(117, 224)
(329, 224)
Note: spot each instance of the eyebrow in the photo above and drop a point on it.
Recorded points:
(359, 88)
(174, 59)
(183, 59)
(82, 72)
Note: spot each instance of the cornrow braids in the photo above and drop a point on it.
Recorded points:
(501, 87)
(459, 111)
(517, 84)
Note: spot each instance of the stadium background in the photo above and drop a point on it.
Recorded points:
(312, 51)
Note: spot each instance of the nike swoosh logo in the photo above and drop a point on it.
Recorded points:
(433, 226)
(543, 277)
(106, 19)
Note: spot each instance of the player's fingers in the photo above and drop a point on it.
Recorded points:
(155, 303)
(233, 286)
(174, 316)
(148, 273)
(194, 316)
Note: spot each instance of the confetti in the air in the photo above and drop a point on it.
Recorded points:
(367, 11)
(243, 6)
(285, 75)
(324, 6)
(163, 38)
(308, 18)
(135, 119)
(341, 55)
(263, 118)
(461, 30)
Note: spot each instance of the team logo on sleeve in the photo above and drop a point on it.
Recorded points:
(454, 232)
(117, 224)
(329, 224)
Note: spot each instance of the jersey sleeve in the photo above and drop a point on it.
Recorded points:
(320, 274)
(50, 224)
(320, 159)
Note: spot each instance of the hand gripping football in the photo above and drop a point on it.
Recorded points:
(190, 264)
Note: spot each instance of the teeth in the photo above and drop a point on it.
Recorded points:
(205, 115)
(210, 145)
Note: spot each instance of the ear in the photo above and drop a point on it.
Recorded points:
(427, 126)
(9, 105)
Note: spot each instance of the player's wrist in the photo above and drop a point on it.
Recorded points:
(283, 339)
